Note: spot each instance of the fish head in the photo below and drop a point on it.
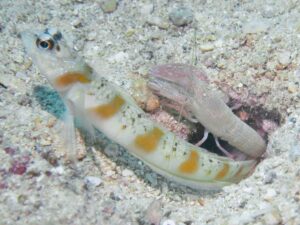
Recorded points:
(55, 59)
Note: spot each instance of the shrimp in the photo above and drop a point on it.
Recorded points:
(208, 106)
(107, 108)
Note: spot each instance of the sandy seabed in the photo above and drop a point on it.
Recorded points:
(248, 45)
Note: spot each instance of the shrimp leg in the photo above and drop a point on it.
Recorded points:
(205, 136)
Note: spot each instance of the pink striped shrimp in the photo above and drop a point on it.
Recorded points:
(188, 86)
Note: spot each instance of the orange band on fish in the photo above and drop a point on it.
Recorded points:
(70, 78)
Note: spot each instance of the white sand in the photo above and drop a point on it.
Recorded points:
(116, 188)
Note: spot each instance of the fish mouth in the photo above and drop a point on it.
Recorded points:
(29, 39)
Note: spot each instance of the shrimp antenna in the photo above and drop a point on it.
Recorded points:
(194, 48)
(194, 63)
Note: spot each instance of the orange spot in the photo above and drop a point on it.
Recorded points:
(223, 172)
(238, 173)
(149, 141)
(110, 109)
(191, 164)
(71, 78)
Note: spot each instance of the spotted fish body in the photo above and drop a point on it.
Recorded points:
(112, 111)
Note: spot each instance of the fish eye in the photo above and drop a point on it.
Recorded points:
(45, 42)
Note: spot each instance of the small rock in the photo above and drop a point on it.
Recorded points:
(1, 137)
(156, 35)
(272, 218)
(292, 88)
(271, 193)
(109, 6)
(221, 64)
(268, 11)
(219, 43)
(18, 58)
(152, 103)
(22, 199)
(292, 119)
(181, 16)
(111, 150)
(152, 178)
(127, 173)
(92, 181)
(91, 36)
(81, 153)
(269, 126)
(243, 204)
(269, 178)
(147, 9)
(244, 116)
(59, 170)
(50, 157)
(256, 26)
(130, 32)
(19, 166)
(10, 150)
(25, 100)
(153, 214)
(169, 222)
(297, 73)
(157, 21)
(110, 173)
(294, 152)
(143, 70)
(119, 57)
(44, 142)
(284, 58)
(207, 47)
(271, 65)
(280, 67)
(76, 23)
(116, 196)
(147, 55)
(51, 122)
(22, 76)
(108, 208)
(3, 185)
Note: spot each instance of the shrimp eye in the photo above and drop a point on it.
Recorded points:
(46, 44)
